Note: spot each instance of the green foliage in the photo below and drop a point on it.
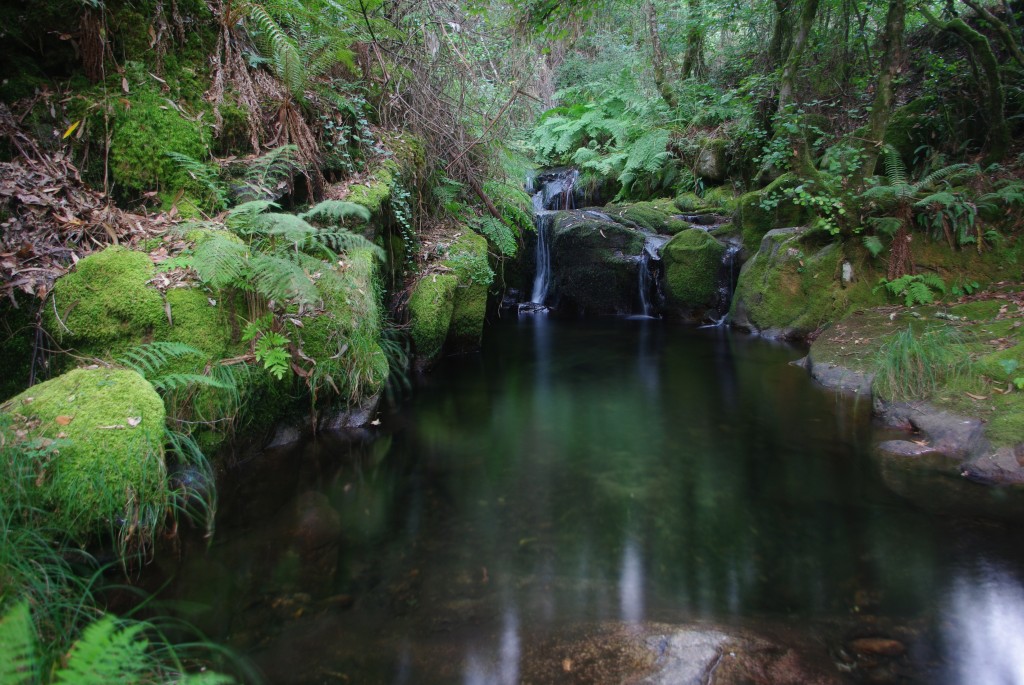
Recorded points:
(873, 245)
(499, 233)
(150, 360)
(148, 128)
(18, 660)
(914, 289)
(913, 366)
(271, 348)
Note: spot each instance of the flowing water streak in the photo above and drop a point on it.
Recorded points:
(647, 278)
(555, 192)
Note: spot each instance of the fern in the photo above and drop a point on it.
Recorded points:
(221, 260)
(269, 173)
(873, 245)
(18, 661)
(499, 233)
(336, 211)
(280, 50)
(914, 289)
(279, 278)
(150, 358)
(203, 175)
(107, 652)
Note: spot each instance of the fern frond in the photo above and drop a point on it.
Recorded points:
(107, 652)
(943, 174)
(895, 170)
(18, 647)
(278, 278)
(917, 292)
(244, 218)
(499, 233)
(341, 240)
(149, 358)
(934, 282)
(280, 50)
(174, 381)
(221, 260)
(293, 229)
(336, 211)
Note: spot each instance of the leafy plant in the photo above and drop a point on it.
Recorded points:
(916, 289)
(270, 348)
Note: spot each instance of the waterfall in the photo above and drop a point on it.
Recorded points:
(552, 191)
(648, 281)
(726, 285)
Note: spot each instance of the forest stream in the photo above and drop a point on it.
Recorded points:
(578, 480)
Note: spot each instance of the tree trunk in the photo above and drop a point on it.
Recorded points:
(782, 31)
(1009, 41)
(881, 108)
(796, 53)
(693, 57)
(658, 57)
(998, 139)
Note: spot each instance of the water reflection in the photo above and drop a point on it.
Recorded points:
(631, 588)
(985, 635)
(587, 472)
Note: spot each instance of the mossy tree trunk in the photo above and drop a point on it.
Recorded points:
(782, 32)
(796, 53)
(1001, 28)
(998, 139)
(693, 57)
(881, 108)
(658, 56)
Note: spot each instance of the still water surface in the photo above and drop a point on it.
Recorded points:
(584, 472)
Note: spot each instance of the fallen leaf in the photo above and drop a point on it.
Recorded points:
(64, 420)
(567, 665)
(375, 422)
(976, 397)
(133, 421)
(124, 85)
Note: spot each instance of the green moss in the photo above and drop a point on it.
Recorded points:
(408, 151)
(692, 261)
(755, 219)
(377, 190)
(980, 310)
(913, 125)
(110, 473)
(145, 130)
(991, 365)
(788, 293)
(691, 202)
(712, 160)
(721, 198)
(657, 216)
(105, 305)
(594, 263)
(430, 310)
(470, 306)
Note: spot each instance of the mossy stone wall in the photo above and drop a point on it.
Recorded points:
(692, 260)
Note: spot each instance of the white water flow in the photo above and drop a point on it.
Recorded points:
(555, 192)
(647, 282)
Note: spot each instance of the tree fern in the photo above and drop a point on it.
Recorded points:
(341, 240)
(280, 278)
(280, 50)
(18, 660)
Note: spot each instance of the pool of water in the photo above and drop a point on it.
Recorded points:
(579, 473)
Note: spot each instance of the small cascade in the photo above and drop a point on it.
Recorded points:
(727, 277)
(647, 273)
(551, 191)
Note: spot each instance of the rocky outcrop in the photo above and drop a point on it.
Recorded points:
(692, 261)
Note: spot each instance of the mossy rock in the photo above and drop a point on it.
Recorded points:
(755, 220)
(657, 216)
(109, 471)
(430, 310)
(713, 161)
(721, 198)
(692, 260)
(793, 286)
(467, 256)
(376, 191)
(105, 304)
(914, 125)
(595, 263)
(691, 202)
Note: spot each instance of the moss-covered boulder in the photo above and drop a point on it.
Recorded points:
(762, 210)
(656, 216)
(108, 471)
(467, 257)
(692, 261)
(793, 285)
(712, 161)
(105, 304)
(430, 312)
(595, 263)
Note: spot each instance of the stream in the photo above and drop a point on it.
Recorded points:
(578, 474)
